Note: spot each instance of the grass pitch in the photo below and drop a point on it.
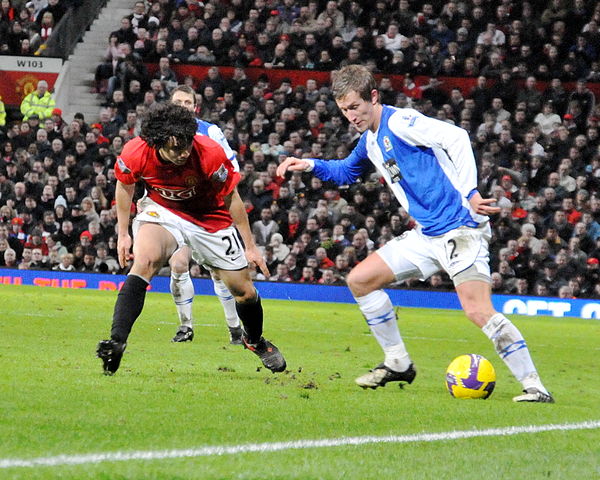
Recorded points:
(55, 401)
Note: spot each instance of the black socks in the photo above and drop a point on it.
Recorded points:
(130, 302)
(251, 315)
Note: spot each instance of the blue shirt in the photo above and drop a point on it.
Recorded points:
(428, 165)
(215, 133)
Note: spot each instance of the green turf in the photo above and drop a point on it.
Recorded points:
(54, 399)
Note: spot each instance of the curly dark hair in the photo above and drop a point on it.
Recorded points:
(165, 121)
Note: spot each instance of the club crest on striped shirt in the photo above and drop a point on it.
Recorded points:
(387, 144)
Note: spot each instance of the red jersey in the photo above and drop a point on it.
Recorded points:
(194, 191)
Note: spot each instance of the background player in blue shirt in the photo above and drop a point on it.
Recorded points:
(430, 168)
(181, 284)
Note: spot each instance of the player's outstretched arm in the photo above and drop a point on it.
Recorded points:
(292, 164)
(124, 196)
(236, 208)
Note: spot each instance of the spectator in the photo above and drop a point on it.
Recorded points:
(294, 270)
(9, 259)
(105, 263)
(547, 119)
(280, 249)
(2, 115)
(39, 102)
(282, 274)
(323, 261)
(202, 56)
(89, 261)
(584, 97)
(125, 33)
(259, 197)
(218, 45)
(308, 275)
(46, 26)
(264, 228)
(166, 75)
(531, 97)
(331, 16)
(65, 264)
(55, 7)
(139, 18)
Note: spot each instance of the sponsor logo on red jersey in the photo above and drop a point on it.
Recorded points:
(177, 195)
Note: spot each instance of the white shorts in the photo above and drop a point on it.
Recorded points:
(463, 253)
(222, 249)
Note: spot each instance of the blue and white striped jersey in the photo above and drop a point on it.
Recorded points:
(213, 132)
(428, 165)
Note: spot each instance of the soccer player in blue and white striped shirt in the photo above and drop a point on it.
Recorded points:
(430, 168)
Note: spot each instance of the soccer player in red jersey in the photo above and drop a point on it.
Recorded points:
(192, 200)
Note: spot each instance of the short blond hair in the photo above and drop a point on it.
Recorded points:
(353, 78)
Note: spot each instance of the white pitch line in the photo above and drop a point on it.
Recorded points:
(61, 460)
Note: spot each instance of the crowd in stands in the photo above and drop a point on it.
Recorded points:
(26, 25)
(537, 148)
